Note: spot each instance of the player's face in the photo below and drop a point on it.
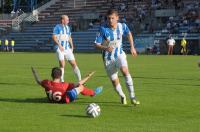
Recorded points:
(65, 20)
(112, 20)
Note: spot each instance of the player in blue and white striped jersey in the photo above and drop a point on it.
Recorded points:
(109, 40)
(64, 46)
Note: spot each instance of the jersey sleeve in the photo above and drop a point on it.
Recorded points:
(56, 30)
(69, 86)
(125, 29)
(99, 36)
(44, 83)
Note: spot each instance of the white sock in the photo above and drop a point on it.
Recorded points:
(77, 73)
(129, 85)
(118, 89)
(62, 76)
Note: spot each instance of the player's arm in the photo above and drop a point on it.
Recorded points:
(37, 79)
(84, 80)
(101, 43)
(102, 47)
(54, 37)
(131, 42)
(71, 43)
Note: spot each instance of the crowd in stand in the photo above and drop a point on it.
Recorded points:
(140, 14)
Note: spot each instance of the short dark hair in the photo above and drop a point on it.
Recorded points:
(56, 72)
(112, 11)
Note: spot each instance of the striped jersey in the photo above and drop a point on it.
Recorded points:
(62, 33)
(112, 37)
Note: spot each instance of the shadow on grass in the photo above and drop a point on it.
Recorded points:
(76, 116)
(156, 78)
(27, 100)
(101, 103)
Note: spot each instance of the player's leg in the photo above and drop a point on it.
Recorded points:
(13, 49)
(62, 67)
(113, 75)
(72, 94)
(71, 59)
(128, 79)
(61, 59)
(172, 48)
(168, 49)
(75, 69)
(90, 92)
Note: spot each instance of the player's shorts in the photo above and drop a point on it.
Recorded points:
(66, 54)
(112, 66)
(171, 44)
(72, 94)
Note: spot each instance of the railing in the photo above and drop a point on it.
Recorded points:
(17, 21)
(32, 17)
(43, 7)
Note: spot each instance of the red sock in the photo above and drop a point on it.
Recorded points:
(86, 91)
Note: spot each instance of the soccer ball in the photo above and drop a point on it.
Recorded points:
(93, 110)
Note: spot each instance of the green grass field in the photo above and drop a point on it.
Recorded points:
(168, 88)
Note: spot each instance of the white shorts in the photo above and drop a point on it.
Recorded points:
(66, 54)
(112, 66)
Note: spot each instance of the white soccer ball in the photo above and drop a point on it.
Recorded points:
(93, 110)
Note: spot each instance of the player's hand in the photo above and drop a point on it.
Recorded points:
(61, 48)
(90, 74)
(72, 49)
(109, 49)
(133, 51)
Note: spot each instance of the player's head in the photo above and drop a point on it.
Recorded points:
(64, 19)
(112, 17)
(170, 36)
(56, 73)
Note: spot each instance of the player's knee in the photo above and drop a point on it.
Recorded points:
(125, 71)
(80, 88)
(115, 82)
(114, 77)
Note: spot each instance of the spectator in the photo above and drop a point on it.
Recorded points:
(184, 46)
(16, 4)
(32, 4)
(12, 45)
(91, 25)
(170, 43)
(6, 42)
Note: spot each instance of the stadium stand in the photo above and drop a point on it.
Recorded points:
(139, 15)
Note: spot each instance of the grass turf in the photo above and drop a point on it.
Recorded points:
(167, 86)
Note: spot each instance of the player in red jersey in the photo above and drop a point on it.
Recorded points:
(58, 91)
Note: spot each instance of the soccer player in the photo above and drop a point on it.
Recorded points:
(64, 46)
(58, 91)
(109, 40)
